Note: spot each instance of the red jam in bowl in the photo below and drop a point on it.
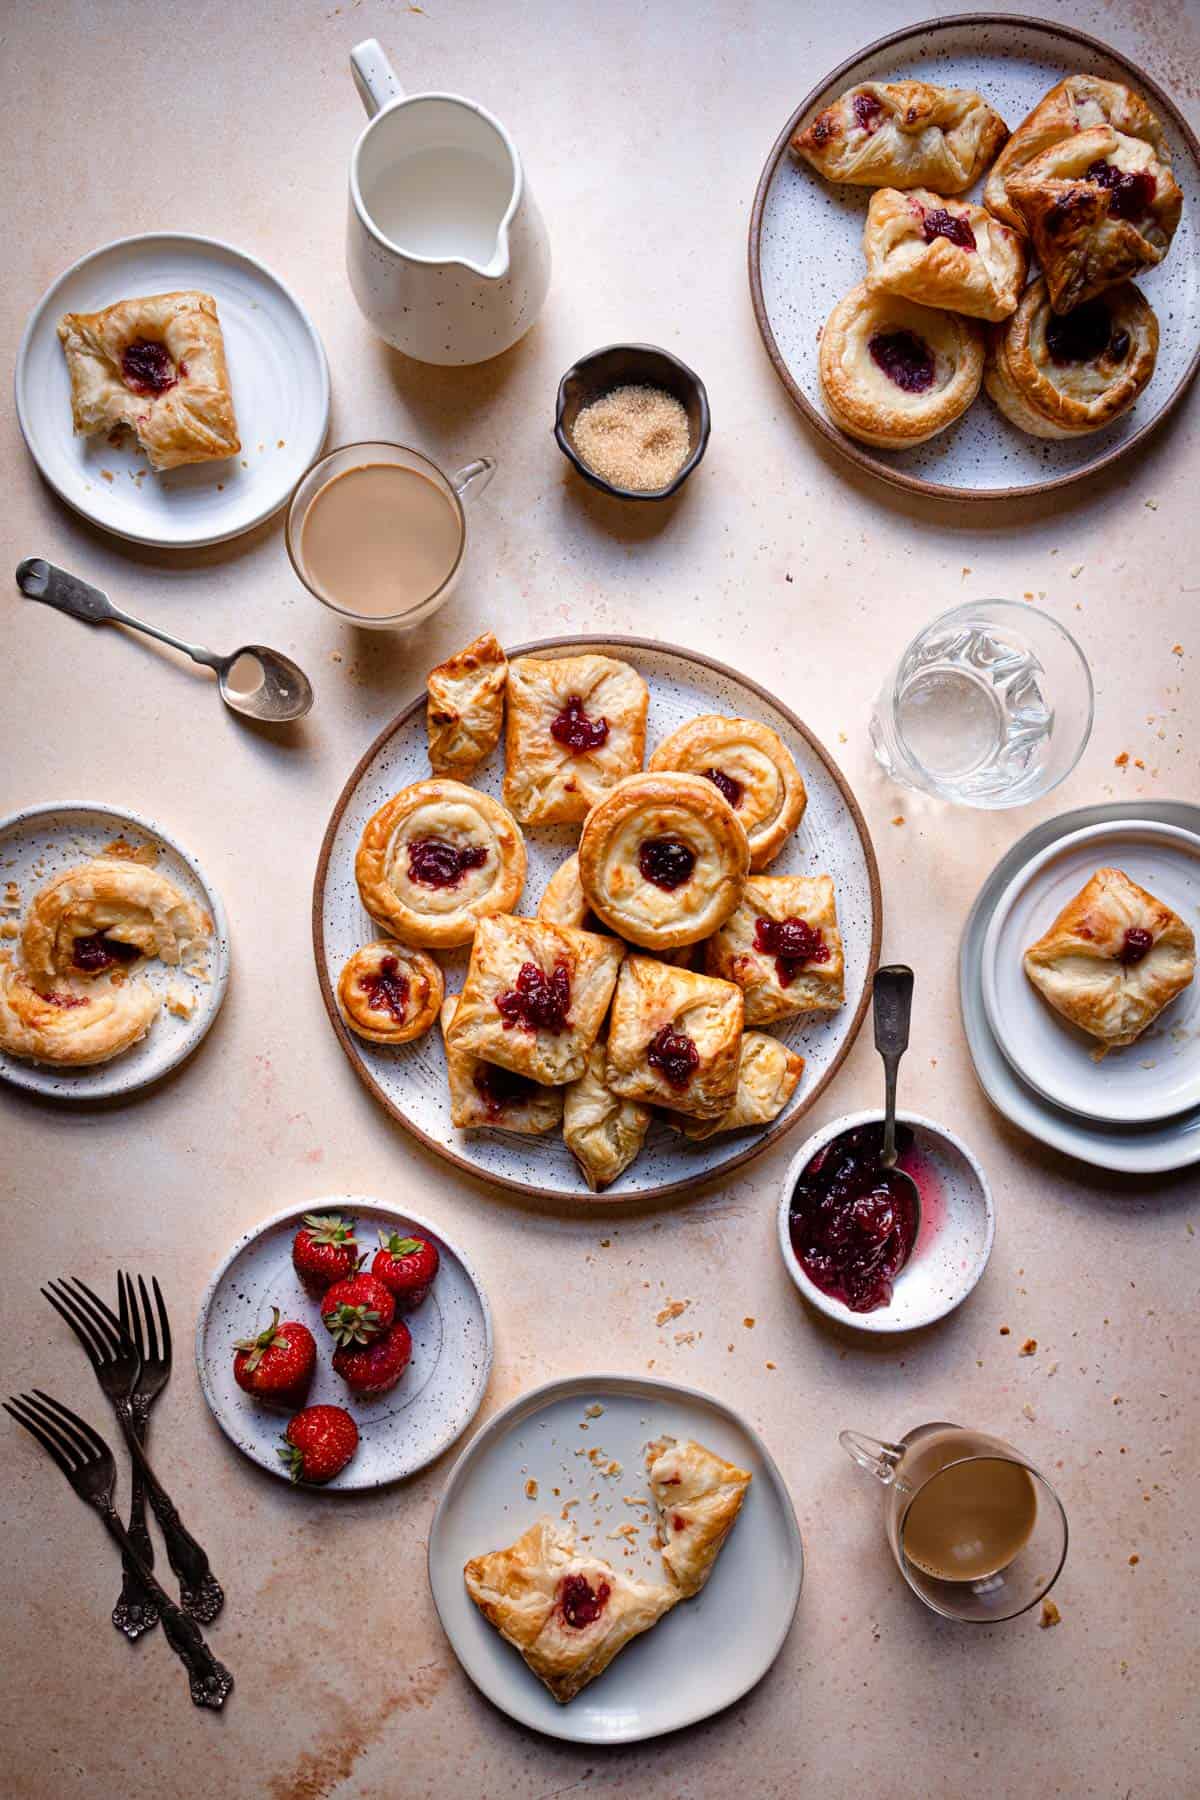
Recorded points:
(851, 1223)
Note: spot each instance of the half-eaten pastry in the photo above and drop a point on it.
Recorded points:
(699, 1496)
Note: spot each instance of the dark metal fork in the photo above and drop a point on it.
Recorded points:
(87, 1462)
(131, 1614)
(114, 1357)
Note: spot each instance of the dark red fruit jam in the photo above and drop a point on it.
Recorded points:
(1082, 335)
(386, 989)
(792, 942)
(91, 954)
(725, 784)
(1132, 190)
(852, 1227)
(674, 1055)
(941, 223)
(65, 1001)
(498, 1087)
(904, 358)
(868, 112)
(147, 367)
(1138, 943)
(666, 862)
(539, 1002)
(436, 864)
(582, 1603)
(573, 728)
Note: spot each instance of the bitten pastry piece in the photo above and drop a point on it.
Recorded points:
(1061, 377)
(157, 367)
(567, 1613)
(485, 1097)
(389, 994)
(768, 1075)
(783, 948)
(1098, 208)
(435, 859)
(674, 1038)
(1113, 959)
(603, 1131)
(576, 725)
(535, 997)
(465, 713)
(1076, 105)
(699, 1496)
(66, 1023)
(947, 253)
(751, 766)
(106, 914)
(894, 373)
(903, 134)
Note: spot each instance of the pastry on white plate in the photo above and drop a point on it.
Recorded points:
(465, 710)
(782, 947)
(893, 372)
(942, 252)
(674, 1038)
(576, 725)
(603, 1130)
(903, 134)
(71, 1023)
(1077, 104)
(751, 767)
(768, 1075)
(698, 1496)
(388, 993)
(104, 915)
(485, 1097)
(1062, 376)
(435, 859)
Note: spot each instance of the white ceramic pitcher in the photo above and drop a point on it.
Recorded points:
(447, 253)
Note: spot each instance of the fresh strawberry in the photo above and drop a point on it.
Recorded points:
(318, 1443)
(406, 1265)
(358, 1311)
(324, 1251)
(378, 1367)
(277, 1365)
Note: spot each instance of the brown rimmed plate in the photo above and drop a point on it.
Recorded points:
(410, 1079)
(806, 253)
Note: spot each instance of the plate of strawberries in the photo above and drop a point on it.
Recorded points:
(344, 1344)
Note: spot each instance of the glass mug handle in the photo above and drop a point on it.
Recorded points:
(878, 1459)
(470, 481)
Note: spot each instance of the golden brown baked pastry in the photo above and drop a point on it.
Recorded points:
(107, 914)
(894, 373)
(603, 1131)
(782, 947)
(1060, 377)
(389, 994)
(465, 712)
(663, 859)
(485, 1097)
(947, 253)
(674, 1038)
(154, 366)
(768, 1075)
(751, 766)
(1113, 959)
(698, 1496)
(564, 901)
(903, 134)
(68, 1023)
(1078, 103)
(535, 997)
(567, 1612)
(576, 724)
(435, 859)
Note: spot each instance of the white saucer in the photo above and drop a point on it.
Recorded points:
(277, 370)
(1152, 1079)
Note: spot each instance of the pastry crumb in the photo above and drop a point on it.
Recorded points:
(1121, 762)
(1029, 1347)
(1004, 1331)
(899, 819)
(672, 1310)
(1029, 1412)
(1152, 504)
(1076, 571)
(685, 1337)
(180, 1001)
(593, 1411)
(10, 929)
(770, 1365)
(531, 1489)
(1050, 1615)
(749, 1324)
(1134, 1560)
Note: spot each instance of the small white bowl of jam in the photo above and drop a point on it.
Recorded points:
(847, 1241)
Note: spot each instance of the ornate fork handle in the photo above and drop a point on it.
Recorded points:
(199, 1588)
(135, 1611)
(210, 1681)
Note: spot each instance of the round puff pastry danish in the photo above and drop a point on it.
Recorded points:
(106, 914)
(782, 947)
(751, 766)
(903, 134)
(895, 373)
(947, 253)
(1061, 377)
(1077, 104)
(603, 1131)
(576, 724)
(435, 859)
(768, 1075)
(66, 1024)
(663, 859)
(389, 994)
(485, 1097)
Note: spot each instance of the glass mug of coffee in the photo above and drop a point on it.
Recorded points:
(978, 1533)
(378, 533)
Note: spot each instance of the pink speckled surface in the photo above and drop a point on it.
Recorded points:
(643, 130)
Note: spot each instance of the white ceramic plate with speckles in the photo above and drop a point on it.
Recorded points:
(399, 1432)
(806, 253)
(670, 1676)
(40, 842)
(410, 1079)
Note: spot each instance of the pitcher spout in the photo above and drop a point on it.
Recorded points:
(497, 265)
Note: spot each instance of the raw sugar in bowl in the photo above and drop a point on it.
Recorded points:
(641, 399)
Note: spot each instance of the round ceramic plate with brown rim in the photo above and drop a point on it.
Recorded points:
(806, 253)
(410, 1079)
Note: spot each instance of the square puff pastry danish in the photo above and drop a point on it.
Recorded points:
(465, 713)
(1113, 959)
(947, 253)
(782, 947)
(699, 1496)
(675, 1038)
(576, 725)
(903, 134)
(155, 366)
(485, 1097)
(1076, 104)
(535, 997)
(603, 1131)
(768, 1075)
(567, 1613)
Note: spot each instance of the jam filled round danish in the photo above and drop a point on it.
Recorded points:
(105, 913)
(1062, 375)
(895, 373)
(666, 862)
(751, 767)
(436, 858)
(389, 994)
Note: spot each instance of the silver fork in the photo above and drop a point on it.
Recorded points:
(133, 1614)
(87, 1462)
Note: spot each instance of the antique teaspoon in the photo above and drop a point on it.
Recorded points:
(893, 1008)
(262, 683)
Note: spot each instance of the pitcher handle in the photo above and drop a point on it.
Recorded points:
(470, 481)
(877, 1458)
(374, 76)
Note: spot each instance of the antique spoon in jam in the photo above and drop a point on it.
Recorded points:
(263, 684)
(892, 994)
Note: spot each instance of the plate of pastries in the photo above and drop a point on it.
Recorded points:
(972, 257)
(596, 916)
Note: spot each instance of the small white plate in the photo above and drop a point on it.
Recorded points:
(701, 1656)
(958, 1227)
(40, 842)
(1158, 1075)
(399, 1432)
(277, 370)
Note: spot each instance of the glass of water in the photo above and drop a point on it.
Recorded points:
(991, 706)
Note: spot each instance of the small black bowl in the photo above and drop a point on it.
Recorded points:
(632, 365)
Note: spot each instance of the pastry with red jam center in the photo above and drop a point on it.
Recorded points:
(895, 373)
(389, 994)
(782, 947)
(674, 1038)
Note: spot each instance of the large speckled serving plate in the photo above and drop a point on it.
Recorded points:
(410, 1079)
(806, 253)
(399, 1432)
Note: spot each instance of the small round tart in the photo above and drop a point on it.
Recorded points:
(70, 1024)
(437, 857)
(1057, 377)
(663, 859)
(895, 373)
(948, 253)
(390, 994)
(104, 915)
(751, 766)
